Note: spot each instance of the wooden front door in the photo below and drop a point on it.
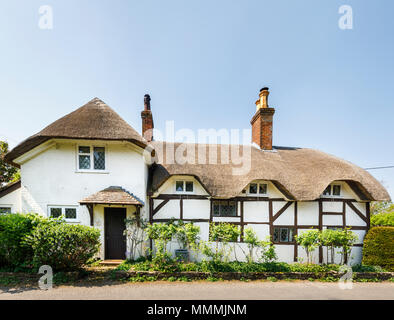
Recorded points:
(115, 241)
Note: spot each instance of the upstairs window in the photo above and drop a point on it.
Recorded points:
(91, 158)
(258, 188)
(224, 208)
(332, 190)
(182, 186)
(68, 212)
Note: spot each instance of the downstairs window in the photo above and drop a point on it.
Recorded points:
(283, 235)
(67, 212)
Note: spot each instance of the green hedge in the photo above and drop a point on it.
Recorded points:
(378, 247)
(30, 240)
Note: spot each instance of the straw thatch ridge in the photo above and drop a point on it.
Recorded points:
(300, 173)
(94, 120)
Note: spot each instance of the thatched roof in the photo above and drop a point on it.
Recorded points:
(94, 120)
(113, 195)
(301, 174)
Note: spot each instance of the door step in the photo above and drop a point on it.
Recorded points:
(111, 262)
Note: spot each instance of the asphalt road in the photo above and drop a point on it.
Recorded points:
(236, 290)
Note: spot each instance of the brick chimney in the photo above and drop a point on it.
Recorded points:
(147, 120)
(262, 121)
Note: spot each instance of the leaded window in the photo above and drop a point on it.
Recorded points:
(5, 210)
(91, 158)
(224, 208)
(258, 188)
(69, 213)
(184, 186)
(283, 234)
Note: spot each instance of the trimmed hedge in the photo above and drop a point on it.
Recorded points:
(378, 247)
(28, 241)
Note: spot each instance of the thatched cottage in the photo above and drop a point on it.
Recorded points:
(93, 168)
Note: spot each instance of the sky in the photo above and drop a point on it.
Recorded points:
(203, 63)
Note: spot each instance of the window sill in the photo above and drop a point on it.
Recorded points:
(73, 221)
(92, 171)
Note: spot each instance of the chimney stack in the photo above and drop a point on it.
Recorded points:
(147, 120)
(262, 121)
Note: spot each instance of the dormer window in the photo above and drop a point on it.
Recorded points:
(332, 190)
(258, 188)
(91, 158)
(182, 186)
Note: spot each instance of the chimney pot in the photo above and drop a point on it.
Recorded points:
(262, 121)
(147, 120)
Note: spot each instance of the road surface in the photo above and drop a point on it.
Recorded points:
(202, 290)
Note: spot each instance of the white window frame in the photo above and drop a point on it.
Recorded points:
(331, 195)
(91, 154)
(184, 186)
(258, 194)
(8, 206)
(63, 208)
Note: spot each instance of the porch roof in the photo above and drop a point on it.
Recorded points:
(113, 195)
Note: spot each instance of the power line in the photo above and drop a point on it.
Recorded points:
(375, 168)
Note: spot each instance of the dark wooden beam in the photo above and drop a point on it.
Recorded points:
(358, 212)
(242, 221)
(90, 209)
(368, 211)
(283, 209)
(179, 196)
(320, 228)
(271, 220)
(296, 230)
(160, 205)
(180, 208)
(187, 220)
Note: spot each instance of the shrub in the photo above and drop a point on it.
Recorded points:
(266, 249)
(187, 235)
(13, 229)
(383, 219)
(309, 240)
(63, 246)
(221, 234)
(161, 234)
(135, 235)
(378, 247)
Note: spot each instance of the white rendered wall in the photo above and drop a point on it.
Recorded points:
(52, 178)
(13, 200)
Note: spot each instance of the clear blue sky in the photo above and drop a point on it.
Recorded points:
(203, 62)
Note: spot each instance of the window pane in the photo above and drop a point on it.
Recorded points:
(216, 209)
(71, 213)
(284, 235)
(84, 162)
(189, 186)
(56, 212)
(179, 186)
(253, 188)
(263, 188)
(327, 191)
(5, 210)
(336, 190)
(84, 149)
(99, 158)
(276, 235)
(291, 235)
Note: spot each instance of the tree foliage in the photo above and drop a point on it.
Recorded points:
(8, 173)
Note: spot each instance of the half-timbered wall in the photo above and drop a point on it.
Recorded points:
(265, 213)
